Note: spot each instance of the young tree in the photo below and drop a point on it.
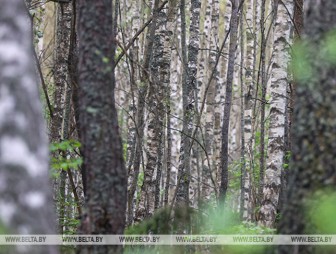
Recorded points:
(25, 194)
(106, 183)
(313, 165)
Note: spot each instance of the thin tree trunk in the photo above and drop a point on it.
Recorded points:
(248, 104)
(228, 101)
(59, 122)
(263, 98)
(242, 119)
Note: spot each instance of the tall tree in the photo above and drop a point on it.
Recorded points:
(188, 97)
(313, 164)
(278, 90)
(155, 117)
(263, 77)
(248, 105)
(228, 100)
(60, 120)
(25, 195)
(105, 180)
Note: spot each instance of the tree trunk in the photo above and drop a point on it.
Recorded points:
(228, 101)
(313, 166)
(278, 90)
(106, 181)
(189, 91)
(61, 96)
(155, 119)
(25, 194)
(248, 104)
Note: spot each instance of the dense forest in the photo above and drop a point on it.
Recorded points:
(168, 117)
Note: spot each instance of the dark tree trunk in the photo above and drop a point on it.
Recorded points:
(25, 194)
(106, 186)
(228, 101)
(313, 165)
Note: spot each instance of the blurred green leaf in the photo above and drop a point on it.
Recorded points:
(300, 64)
(321, 212)
(329, 48)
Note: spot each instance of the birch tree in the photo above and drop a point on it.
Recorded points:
(278, 90)
(155, 118)
(25, 194)
(60, 119)
(248, 104)
(189, 91)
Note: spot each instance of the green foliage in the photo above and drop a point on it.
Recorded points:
(300, 65)
(124, 144)
(329, 48)
(321, 212)
(159, 223)
(304, 55)
(140, 179)
(287, 158)
(235, 175)
(139, 183)
(71, 224)
(3, 229)
(207, 221)
(61, 162)
(67, 145)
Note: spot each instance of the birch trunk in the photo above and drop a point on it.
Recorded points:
(248, 102)
(189, 88)
(155, 121)
(278, 89)
(25, 195)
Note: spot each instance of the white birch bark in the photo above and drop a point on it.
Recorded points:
(248, 94)
(176, 108)
(278, 90)
(25, 194)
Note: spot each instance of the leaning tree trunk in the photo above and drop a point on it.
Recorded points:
(313, 165)
(106, 183)
(278, 90)
(25, 194)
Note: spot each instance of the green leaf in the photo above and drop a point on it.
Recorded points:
(106, 60)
